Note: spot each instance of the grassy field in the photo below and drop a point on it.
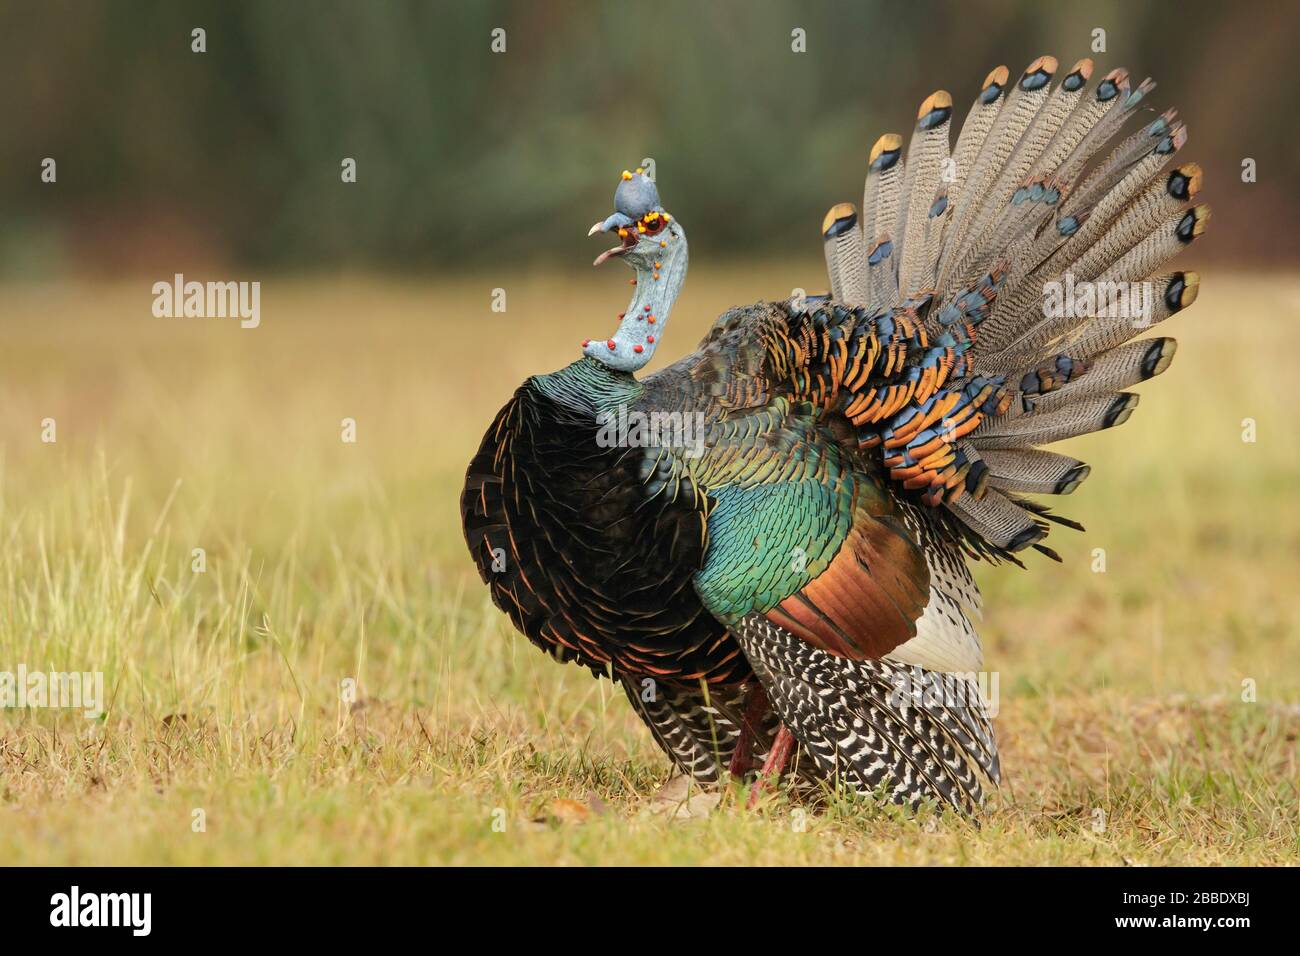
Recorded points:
(1124, 733)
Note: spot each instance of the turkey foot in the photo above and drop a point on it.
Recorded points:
(777, 758)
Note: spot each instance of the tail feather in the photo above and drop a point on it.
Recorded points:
(999, 520)
(846, 254)
(1174, 292)
(926, 156)
(974, 131)
(1082, 417)
(1112, 371)
(880, 198)
(1033, 471)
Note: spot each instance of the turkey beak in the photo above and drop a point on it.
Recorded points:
(621, 225)
(603, 226)
(607, 254)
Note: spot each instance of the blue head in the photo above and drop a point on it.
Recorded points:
(653, 244)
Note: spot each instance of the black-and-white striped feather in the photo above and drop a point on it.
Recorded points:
(874, 726)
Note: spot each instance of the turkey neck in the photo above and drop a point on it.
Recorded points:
(646, 319)
(589, 387)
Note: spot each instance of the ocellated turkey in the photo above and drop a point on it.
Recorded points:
(794, 579)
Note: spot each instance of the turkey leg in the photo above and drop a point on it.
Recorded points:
(756, 706)
(773, 767)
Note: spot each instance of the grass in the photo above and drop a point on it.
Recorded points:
(1124, 733)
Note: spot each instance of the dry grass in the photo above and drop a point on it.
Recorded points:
(1121, 692)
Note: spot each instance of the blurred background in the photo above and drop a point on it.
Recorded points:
(167, 158)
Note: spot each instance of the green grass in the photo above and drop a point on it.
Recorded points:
(1121, 692)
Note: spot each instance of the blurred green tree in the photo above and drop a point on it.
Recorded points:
(462, 154)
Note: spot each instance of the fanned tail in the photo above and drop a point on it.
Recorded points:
(1033, 253)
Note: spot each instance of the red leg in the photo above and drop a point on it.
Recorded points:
(755, 707)
(774, 766)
